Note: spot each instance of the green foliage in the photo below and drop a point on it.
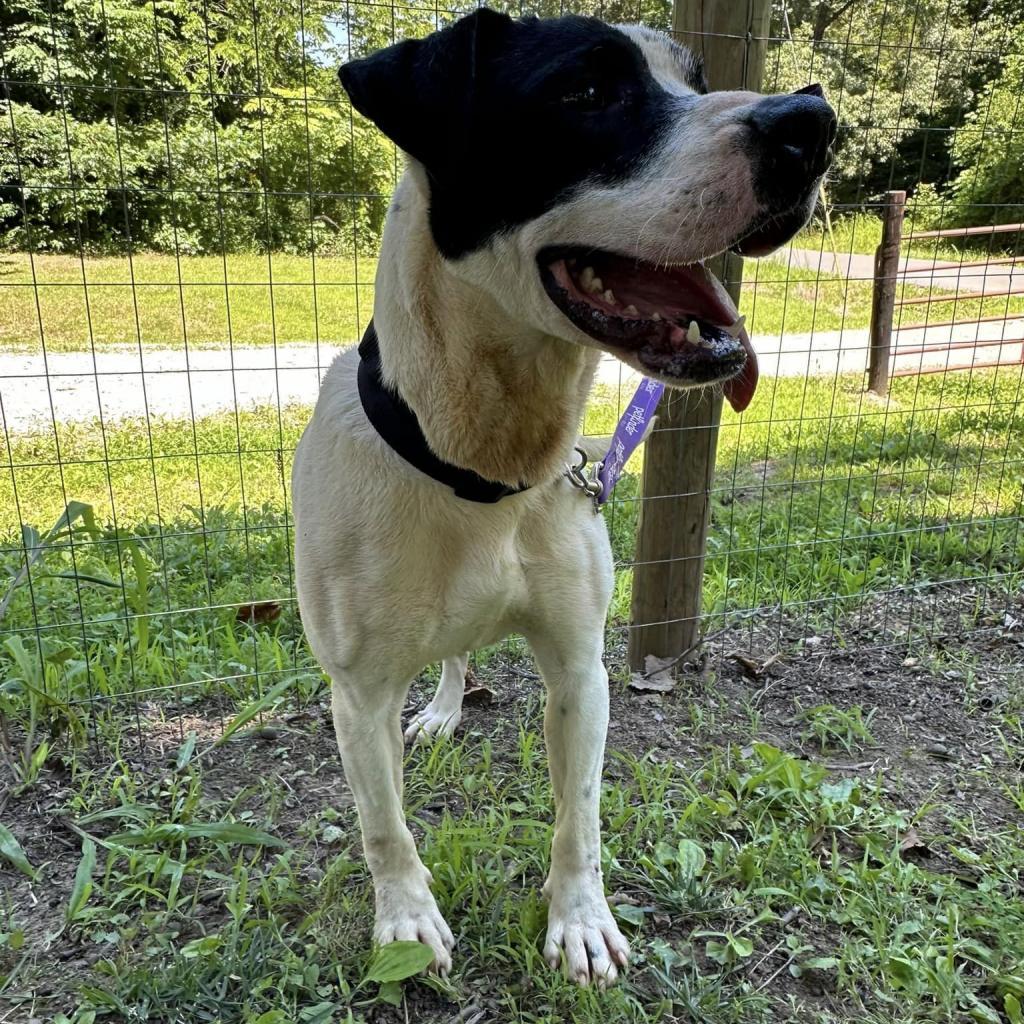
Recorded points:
(398, 961)
(201, 128)
(990, 147)
(746, 872)
(82, 887)
(222, 127)
(897, 74)
(11, 851)
(835, 727)
(182, 127)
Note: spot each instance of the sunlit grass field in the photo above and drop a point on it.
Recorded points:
(156, 301)
(862, 233)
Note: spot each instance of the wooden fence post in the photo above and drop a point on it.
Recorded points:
(679, 463)
(883, 293)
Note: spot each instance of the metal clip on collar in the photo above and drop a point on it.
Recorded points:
(589, 484)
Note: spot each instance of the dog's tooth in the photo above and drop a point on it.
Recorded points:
(734, 329)
(587, 278)
(655, 315)
(693, 333)
(631, 310)
(609, 296)
(596, 286)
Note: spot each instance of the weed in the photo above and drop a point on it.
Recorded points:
(830, 726)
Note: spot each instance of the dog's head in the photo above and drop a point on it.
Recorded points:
(581, 173)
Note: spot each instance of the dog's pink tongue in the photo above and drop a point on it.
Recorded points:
(740, 389)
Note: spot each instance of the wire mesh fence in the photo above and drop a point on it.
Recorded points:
(191, 215)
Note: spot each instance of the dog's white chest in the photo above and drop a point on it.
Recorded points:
(475, 588)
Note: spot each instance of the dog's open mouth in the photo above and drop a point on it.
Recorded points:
(676, 323)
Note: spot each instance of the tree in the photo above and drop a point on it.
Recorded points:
(900, 75)
(990, 149)
(206, 126)
(202, 125)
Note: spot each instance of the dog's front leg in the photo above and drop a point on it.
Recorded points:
(581, 929)
(367, 720)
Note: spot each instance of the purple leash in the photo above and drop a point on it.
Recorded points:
(629, 432)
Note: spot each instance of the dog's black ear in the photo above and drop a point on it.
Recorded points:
(420, 92)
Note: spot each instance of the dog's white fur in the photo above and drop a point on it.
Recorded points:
(395, 572)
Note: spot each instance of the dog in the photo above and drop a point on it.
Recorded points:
(565, 179)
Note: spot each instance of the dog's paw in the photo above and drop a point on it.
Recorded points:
(438, 720)
(583, 936)
(407, 915)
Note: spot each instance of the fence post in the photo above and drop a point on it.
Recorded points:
(883, 293)
(679, 462)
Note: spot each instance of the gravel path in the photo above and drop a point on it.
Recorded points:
(75, 387)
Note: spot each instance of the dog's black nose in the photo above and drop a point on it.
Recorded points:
(792, 137)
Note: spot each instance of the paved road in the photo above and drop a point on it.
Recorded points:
(936, 274)
(72, 387)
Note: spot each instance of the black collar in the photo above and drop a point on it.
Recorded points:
(397, 425)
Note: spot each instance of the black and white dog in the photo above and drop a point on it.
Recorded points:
(565, 180)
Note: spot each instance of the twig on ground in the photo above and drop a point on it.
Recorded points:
(463, 1016)
(767, 982)
(522, 672)
(789, 916)
(771, 952)
(689, 650)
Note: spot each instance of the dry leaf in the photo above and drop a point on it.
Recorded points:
(751, 668)
(912, 845)
(755, 669)
(657, 676)
(475, 692)
(656, 684)
(259, 613)
(620, 899)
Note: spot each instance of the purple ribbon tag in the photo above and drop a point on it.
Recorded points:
(628, 434)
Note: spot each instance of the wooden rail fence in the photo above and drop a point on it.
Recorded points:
(888, 296)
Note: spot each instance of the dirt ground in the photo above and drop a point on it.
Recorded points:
(932, 703)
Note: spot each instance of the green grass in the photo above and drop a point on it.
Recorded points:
(832, 727)
(862, 233)
(202, 300)
(823, 494)
(823, 498)
(747, 867)
(75, 306)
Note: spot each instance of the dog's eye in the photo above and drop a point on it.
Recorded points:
(588, 97)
